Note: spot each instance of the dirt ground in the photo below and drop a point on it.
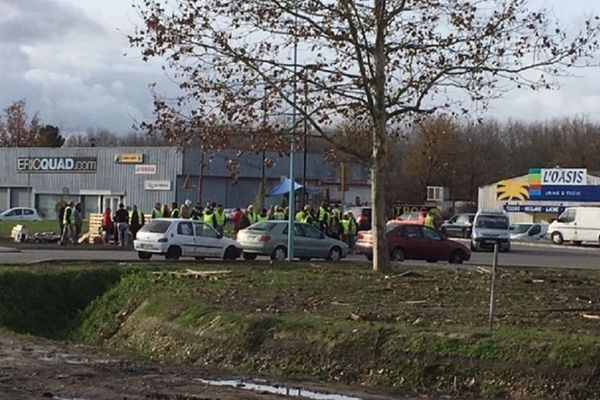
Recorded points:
(35, 368)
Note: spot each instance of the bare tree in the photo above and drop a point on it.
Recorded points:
(16, 129)
(381, 62)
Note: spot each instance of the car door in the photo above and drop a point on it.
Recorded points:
(316, 245)
(411, 242)
(535, 231)
(450, 226)
(300, 241)
(14, 215)
(433, 246)
(185, 238)
(208, 242)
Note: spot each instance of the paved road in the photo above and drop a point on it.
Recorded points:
(538, 255)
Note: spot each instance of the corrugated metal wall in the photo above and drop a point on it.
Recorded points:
(110, 177)
(488, 199)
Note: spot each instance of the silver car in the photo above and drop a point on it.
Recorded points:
(270, 238)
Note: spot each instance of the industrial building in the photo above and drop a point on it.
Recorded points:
(542, 194)
(102, 177)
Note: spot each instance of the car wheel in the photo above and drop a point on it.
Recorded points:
(457, 257)
(173, 253)
(335, 254)
(370, 256)
(397, 254)
(144, 255)
(231, 253)
(279, 254)
(199, 258)
(249, 256)
(557, 238)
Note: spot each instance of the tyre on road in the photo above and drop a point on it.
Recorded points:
(397, 254)
(335, 254)
(279, 254)
(231, 253)
(557, 238)
(249, 256)
(457, 257)
(173, 253)
(144, 255)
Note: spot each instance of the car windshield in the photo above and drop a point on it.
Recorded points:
(156, 226)
(262, 226)
(492, 222)
(519, 228)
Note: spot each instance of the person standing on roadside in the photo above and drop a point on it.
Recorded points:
(157, 211)
(197, 213)
(220, 219)
(166, 212)
(185, 210)
(68, 232)
(136, 220)
(174, 210)
(61, 214)
(108, 226)
(121, 219)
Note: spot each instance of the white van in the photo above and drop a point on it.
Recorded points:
(576, 224)
(490, 228)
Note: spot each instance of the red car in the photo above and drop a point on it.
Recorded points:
(413, 241)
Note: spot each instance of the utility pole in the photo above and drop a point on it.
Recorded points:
(304, 193)
(343, 184)
(201, 176)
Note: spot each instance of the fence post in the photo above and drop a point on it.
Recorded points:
(492, 294)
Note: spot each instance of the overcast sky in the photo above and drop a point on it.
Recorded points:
(66, 59)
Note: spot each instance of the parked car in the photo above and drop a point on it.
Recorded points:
(362, 216)
(459, 225)
(576, 224)
(179, 237)
(20, 214)
(489, 228)
(413, 241)
(528, 231)
(270, 238)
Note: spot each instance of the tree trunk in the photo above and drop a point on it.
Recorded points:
(381, 254)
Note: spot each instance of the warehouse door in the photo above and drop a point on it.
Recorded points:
(19, 197)
(4, 199)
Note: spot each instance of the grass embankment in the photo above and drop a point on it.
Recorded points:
(33, 227)
(423, 332)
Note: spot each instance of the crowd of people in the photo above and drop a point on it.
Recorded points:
(123, 224)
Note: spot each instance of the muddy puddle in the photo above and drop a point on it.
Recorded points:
(265, 387)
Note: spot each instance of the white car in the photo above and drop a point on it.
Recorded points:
(179, 237)
(528, 231)
(20, 214)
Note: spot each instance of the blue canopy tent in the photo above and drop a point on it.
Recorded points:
(283, 187)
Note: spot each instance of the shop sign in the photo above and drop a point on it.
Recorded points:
(145, 169)
(129, 158)
(57, 164)
(534, 209)
(587, 193)
(157, 185)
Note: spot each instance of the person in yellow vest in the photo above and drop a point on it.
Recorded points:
(352, 229)
(300, 215)
(157, 211)
(197, 213)
(323, 216)
(220, 219)
(262, 216)
(136, 220)
(68, 232)
(308, 217)
(251, 215)
(430, 220)
(279, 214)
(209, 218)
(344, 228)
(174, 211)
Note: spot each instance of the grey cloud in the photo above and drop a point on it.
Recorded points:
(33, 21)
